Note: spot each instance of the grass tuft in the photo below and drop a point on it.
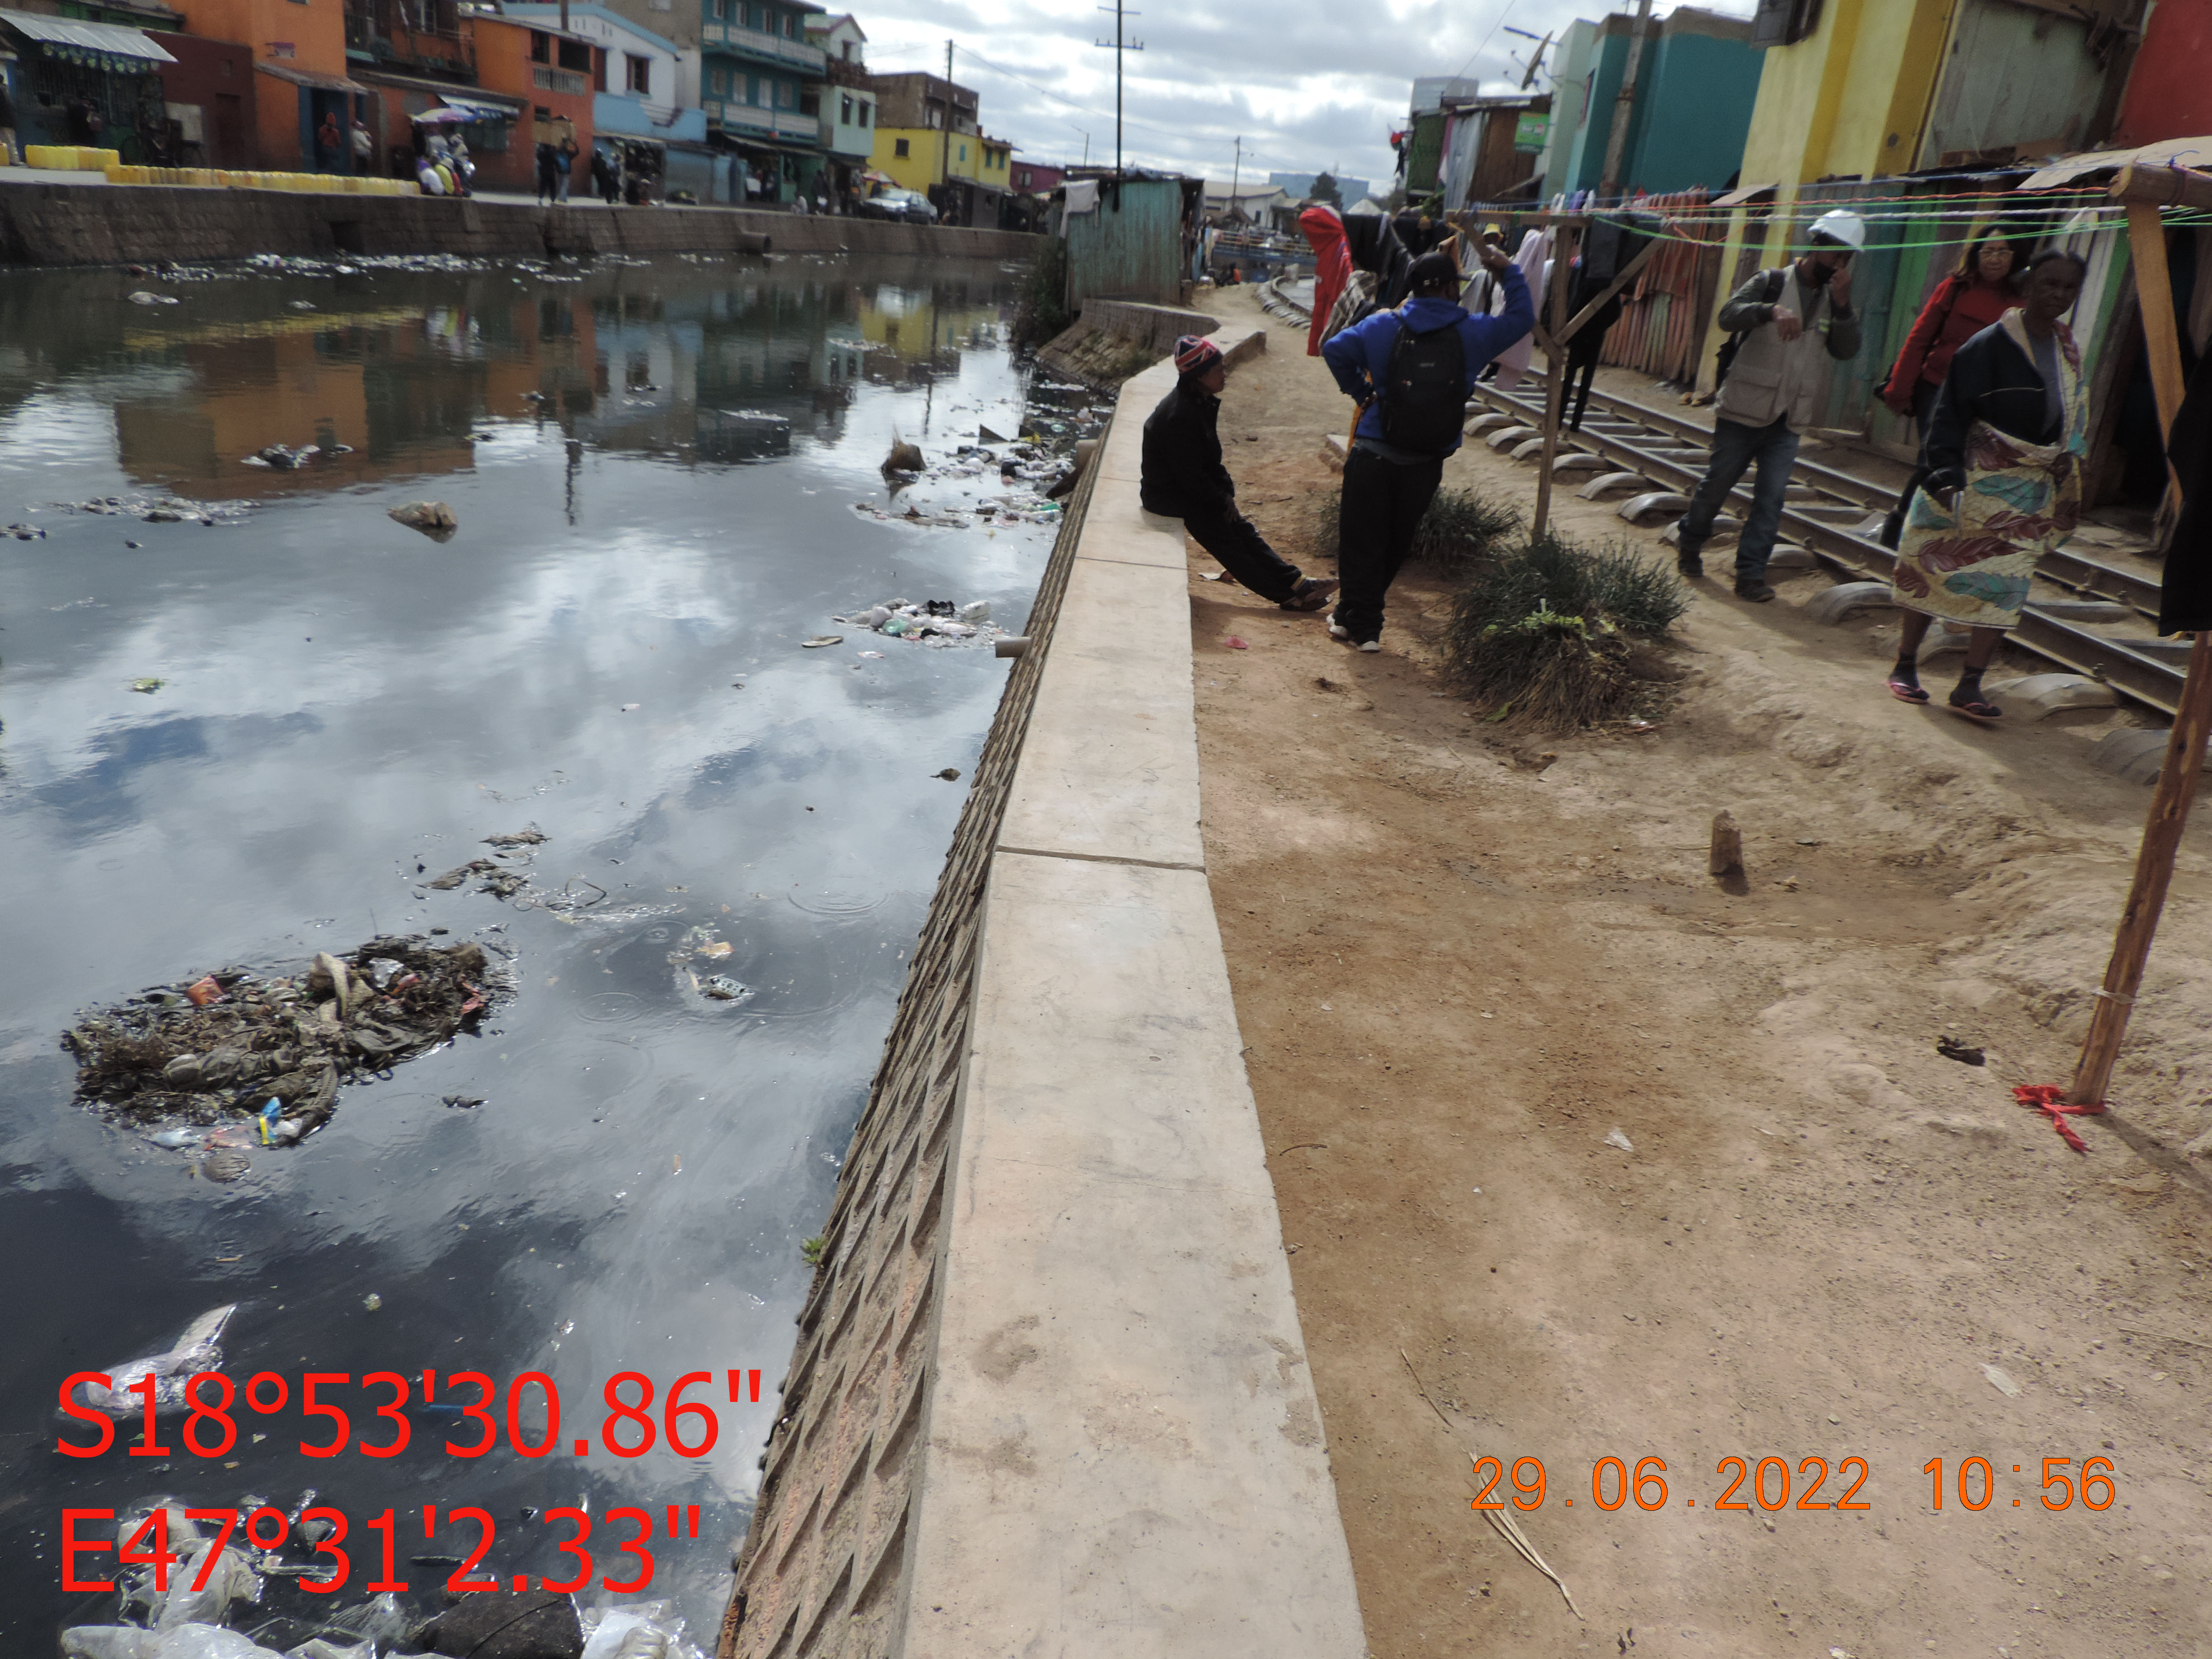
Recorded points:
(1543, 629)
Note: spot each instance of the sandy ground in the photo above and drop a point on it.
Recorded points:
(1463, 953)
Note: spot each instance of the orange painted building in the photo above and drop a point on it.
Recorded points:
(555, 76)
(301, 81)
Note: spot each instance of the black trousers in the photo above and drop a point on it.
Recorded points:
(1581, 364)
(1243, 552)
(1924, 405)
(1383, 503)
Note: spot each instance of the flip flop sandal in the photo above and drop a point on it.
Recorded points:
(1903, 691)
(1311, 594)
(1982, 714)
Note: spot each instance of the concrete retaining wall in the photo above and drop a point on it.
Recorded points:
(1050, 1395)
(53, 224)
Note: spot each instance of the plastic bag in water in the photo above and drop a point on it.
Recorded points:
(637, 1630)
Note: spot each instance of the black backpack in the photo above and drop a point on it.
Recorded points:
(1424, 399)
(1724, 359)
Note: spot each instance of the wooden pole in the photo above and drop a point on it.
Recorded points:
(2184, 748)
(2169, 816)
(1555, 378)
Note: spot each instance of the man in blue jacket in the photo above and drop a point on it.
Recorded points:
(1412, 370)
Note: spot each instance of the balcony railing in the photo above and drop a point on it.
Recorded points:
(738, 117)
(562, 81)
(760, 43)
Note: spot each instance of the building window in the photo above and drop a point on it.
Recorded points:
(963, 152)
(638, 77)
(845, 110)
(720, 82)
(791, 26)
(899, 149)
(541, 47)
(786, 96)
(865, 107)
(848, 50)
(599, 71)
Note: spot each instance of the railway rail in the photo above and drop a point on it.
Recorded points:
(2089, 616)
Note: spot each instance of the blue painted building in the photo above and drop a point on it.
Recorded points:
(1695, 89)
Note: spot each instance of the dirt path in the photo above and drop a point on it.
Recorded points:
(1464, 953)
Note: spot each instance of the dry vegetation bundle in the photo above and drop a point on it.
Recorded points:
(1546, 630)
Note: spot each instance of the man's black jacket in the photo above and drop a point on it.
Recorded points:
(1182, 474)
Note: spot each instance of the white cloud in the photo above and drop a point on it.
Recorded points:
(1307, 85)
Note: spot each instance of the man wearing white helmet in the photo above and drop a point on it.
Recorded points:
(1790, 321)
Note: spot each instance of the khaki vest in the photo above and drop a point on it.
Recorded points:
(1769, 378)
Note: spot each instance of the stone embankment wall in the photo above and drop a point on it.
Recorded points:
(51, 224)
(1049, 1393)
(1114, 339)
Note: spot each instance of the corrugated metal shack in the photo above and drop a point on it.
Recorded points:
(1132, 241)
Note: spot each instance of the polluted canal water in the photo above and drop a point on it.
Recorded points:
(250, 725)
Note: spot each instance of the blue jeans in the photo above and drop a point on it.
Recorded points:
(1736, 446)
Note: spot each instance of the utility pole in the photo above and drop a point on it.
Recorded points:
(1624, 108)
(1120, 47)
(1236, 171)
(944, 138)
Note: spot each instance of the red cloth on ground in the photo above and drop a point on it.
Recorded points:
(1324, 234)
(2050, 1099)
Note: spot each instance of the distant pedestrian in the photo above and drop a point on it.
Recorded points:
(602, 185)
(10, 155)
(549, 174)
(364, 147)
(1979, 292)
(564, 163)
(1182, 476)
(2003, 488)
(1412, 370)
(1584, 347)
(1777, 386)
(330, 142)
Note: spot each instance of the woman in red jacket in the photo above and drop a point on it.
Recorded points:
(1973, 297)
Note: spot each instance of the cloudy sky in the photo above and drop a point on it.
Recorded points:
(1308, 84)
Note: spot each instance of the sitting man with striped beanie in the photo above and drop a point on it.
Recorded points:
(1183, 478)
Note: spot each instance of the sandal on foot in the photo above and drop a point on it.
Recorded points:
(1906, 691)
(1311, 594)
(1982, 714)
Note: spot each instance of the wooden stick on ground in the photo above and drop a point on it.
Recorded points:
(1503, 1524)
(1555, 378)
(2193, 725)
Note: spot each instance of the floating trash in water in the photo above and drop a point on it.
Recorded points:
(372, 1302)
(932, 622)
(290, 1041)
(821, 640)
(199, 1348)
(722, 988)
(148, 686)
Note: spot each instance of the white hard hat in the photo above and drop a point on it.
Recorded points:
(1841, 225)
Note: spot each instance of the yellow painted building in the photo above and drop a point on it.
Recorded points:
(917, 158)
(1852, 97)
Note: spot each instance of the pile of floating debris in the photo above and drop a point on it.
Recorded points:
(275, 1049)
(158, 509)
(931, 621)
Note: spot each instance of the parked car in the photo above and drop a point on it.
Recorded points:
(909, 206)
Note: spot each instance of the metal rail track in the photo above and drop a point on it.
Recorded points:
(2147, 672)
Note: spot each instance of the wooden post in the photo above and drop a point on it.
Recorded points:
(1555, 380)
(2185, 751)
